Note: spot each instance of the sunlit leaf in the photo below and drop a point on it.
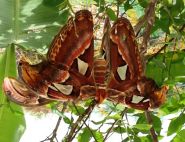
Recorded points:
(12, 123)
(77, 110)
(67, 120)
(99, 136)
(145, 127)
(119, 130)
(52, 3)
(176, 124)
(85, 136)
(111, 14)
(180, 136)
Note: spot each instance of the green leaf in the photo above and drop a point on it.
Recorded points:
(143, 3)
(32, 21)
(115, 117)
(175, 69)
(52, 3)
(145, 127)
(157, 124)
(85, 136)
(146, 139)
(177, 7)
(99, 2)
(99, 136)
(99, 122)
(12, 123)
(119, 130)
(111, 14)
(180, 136)
(77, 110)
(67, 120)
(127, 5)
(176, 124)
(63, 5)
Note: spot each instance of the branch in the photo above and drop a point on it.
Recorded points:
(116, 121)
(148, 17)
(53, 135)
(152, 130)
(84, 122)
(80, 126)
(72, 132)
(165, 45)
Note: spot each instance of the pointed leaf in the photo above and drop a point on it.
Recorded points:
(12, 123)
(180, 136)
(176, 124)
(145, 127)
(85, 136)
(111, 14)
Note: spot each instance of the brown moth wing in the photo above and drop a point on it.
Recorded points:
(123, 51)
(76, 79)
(77, 43)
(72, 40)
(82, 49)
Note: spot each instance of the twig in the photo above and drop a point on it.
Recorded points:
(149, 12)
(112, 126)
(80, 118)
(152, 131)
(117, 8)
(150, 18)
(84, 122)
(80, 126)
(53, 135)
(103, 123)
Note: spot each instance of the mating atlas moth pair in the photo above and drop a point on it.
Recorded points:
(71, 72)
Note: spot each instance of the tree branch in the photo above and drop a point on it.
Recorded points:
(78, 121)
(147, 19)
(53, 135)
(112, 126)
(152, 130)
(84, 122)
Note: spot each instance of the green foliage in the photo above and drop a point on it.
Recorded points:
(12, 122)
(111, 14)
(180, 136)
(87, 134)
(32, 24)
(167, 66)
(176, 124)
(33, 20)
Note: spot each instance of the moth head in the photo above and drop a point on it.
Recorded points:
(158, 97)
